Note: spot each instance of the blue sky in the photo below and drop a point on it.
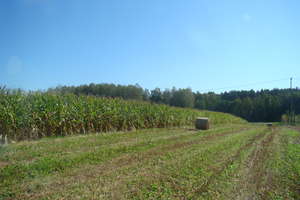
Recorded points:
(202, 44)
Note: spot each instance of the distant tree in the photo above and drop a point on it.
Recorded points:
(146, 95)
(183, 98)
(156, 96)
(167, 96)
(246, 108)
(200, 102)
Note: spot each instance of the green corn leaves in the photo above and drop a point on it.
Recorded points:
(31, 116)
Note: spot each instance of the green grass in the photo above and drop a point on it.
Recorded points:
(229, 161)
(288, 165)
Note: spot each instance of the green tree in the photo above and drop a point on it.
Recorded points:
(183, 98)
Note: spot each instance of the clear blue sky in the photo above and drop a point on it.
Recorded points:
(200, 44)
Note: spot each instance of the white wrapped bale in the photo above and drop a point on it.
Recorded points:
(202, 123)
(3, 140)
(269, 124)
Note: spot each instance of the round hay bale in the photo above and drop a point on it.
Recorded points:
(202, 123)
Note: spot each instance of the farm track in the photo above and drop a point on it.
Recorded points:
(229, 161)
(255, 180)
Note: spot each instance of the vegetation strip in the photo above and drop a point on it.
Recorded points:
(37, 115)
(255, 106)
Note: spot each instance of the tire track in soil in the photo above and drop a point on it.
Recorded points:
(217, 172)
(252, 185)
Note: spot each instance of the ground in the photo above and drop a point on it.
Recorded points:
(226, 162)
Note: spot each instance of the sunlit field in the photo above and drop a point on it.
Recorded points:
(230, 161)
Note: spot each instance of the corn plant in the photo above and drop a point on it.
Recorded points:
(36, 115)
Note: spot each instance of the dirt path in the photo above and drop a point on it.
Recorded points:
(255, 181)
(229, 161)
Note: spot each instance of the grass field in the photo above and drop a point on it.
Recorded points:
(243, 161)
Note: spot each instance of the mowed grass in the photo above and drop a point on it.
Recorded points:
(241, 161)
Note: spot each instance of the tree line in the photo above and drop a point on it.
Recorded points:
(254, 106)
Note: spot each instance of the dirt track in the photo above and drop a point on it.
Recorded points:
(255, 179)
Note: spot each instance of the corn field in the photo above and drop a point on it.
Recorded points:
(36, 115)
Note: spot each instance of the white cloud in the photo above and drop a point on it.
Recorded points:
(246, 17)
(14, 65)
